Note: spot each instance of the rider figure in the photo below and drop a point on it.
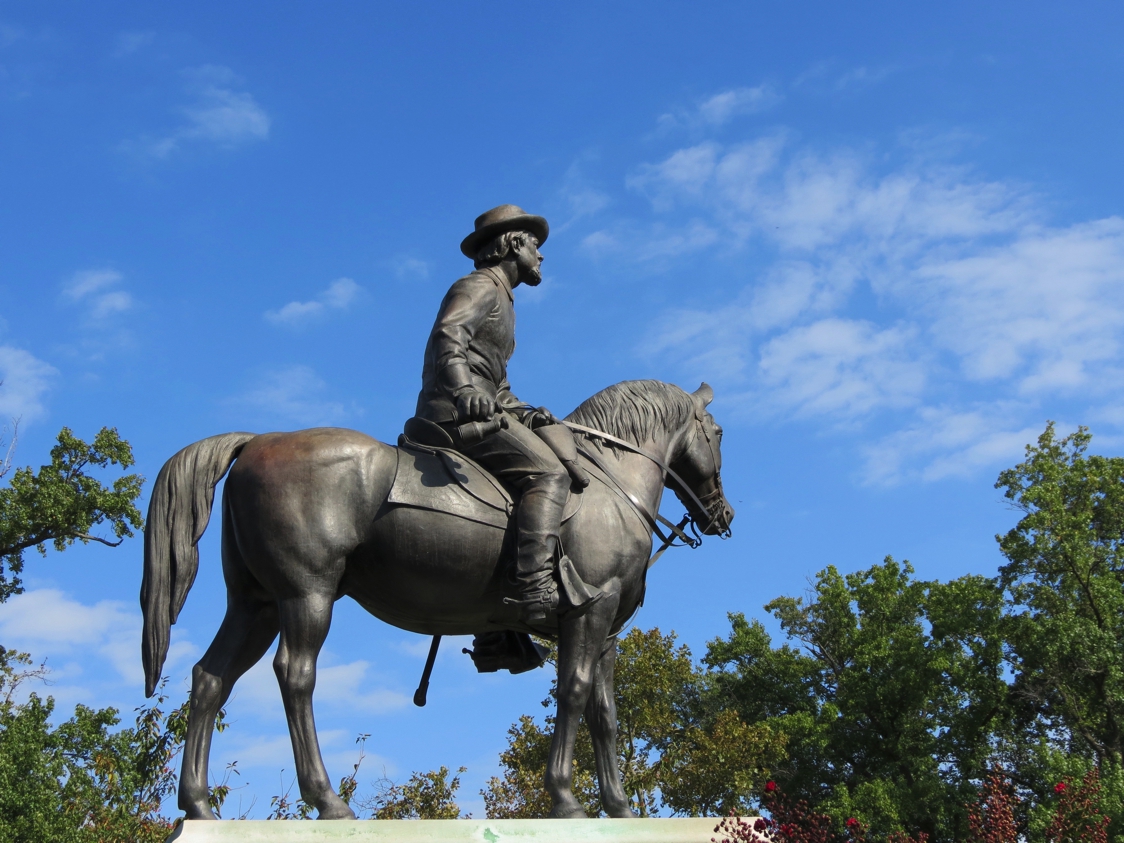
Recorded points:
(464, 379)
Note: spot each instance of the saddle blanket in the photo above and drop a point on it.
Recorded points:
(448, 482)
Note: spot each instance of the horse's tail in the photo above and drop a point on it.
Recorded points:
(177, 516)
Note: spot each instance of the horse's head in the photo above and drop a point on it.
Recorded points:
(699, 463)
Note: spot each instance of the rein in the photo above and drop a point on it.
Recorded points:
(677, 530)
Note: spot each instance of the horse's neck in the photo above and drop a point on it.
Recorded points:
(644, 477)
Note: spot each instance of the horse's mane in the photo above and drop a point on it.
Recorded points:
(636, 410)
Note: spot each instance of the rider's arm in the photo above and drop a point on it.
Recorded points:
(506, 399)
(464, 309)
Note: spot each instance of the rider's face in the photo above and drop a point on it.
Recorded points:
(528, 260)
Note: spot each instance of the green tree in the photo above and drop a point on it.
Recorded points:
(425, 796)
(1064, 579)
(652, 675)
(81, 781)
(62, 503)
(670, 755)
(888, 713)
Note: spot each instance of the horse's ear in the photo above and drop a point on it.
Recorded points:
(704, 393)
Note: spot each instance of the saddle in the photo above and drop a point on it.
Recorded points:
(431, 475)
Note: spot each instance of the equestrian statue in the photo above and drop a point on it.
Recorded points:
(491, 518)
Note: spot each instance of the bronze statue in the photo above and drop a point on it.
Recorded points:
(434, 536)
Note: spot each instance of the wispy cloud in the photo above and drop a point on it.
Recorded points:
(24, 380)
(49, 620)
(967, 286)
(408, 267)
(97, 291)
(220, 113)
(719, 109)
(353, 686)
(338, 296)
(945, 442)
(295, 394)
(127, 43)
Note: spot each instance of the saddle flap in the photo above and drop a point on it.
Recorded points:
(451, 484)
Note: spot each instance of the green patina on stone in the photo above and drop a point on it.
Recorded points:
(660, 830)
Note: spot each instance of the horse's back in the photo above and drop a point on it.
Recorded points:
(306, 499)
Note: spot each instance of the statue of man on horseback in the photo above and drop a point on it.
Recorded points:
(418, 534)
(464, 381)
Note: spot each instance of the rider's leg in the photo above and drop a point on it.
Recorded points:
(519, 459)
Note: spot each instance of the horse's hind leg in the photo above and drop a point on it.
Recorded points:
(246, 633)
(601, 717)
(580, 646)
(304, 626)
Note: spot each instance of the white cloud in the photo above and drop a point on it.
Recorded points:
(92, 288)
(295, 395)
(407, 267)
(90, 281)
(219, 114)
(944, 442)
(885, 292)
(23, 381)
(719, 109)
(50, 621)
(842, 368)
(351, 687)
(339, 295)
(1046, 309)
(722, 107)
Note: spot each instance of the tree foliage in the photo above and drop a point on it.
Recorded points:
(83, 781)
(425, 796)
(886, 714)
(1065, 578)
(62, 503)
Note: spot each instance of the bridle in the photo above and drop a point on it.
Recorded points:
(708, 503)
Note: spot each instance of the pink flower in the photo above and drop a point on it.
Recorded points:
(770, 787)
(1059, 787)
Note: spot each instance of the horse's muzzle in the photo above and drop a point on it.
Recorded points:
(721, 516)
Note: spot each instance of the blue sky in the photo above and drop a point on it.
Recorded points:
(890, 237)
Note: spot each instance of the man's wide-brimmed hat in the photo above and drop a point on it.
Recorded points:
(497, 221)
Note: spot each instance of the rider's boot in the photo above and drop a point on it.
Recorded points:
(538, 519)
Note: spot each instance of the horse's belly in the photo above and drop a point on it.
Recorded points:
(428, 572)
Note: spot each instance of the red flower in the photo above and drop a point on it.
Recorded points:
(770, 787)
(1059, 787)
(852, 822)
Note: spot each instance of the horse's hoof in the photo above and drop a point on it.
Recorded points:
(568, 812)
(197, 811)
(337, 811)
(621, 812)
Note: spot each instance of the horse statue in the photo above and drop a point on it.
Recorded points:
(309, 517)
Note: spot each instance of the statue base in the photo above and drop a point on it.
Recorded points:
(657, 830)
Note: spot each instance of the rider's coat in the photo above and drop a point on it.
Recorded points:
(470, 345)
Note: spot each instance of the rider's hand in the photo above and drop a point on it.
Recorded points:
(541, 417)
(474, 405)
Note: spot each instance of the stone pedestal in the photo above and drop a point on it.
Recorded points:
(672, 830)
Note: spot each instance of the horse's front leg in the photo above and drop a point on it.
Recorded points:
(580, 646)
(304, 626)
(601, 717)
